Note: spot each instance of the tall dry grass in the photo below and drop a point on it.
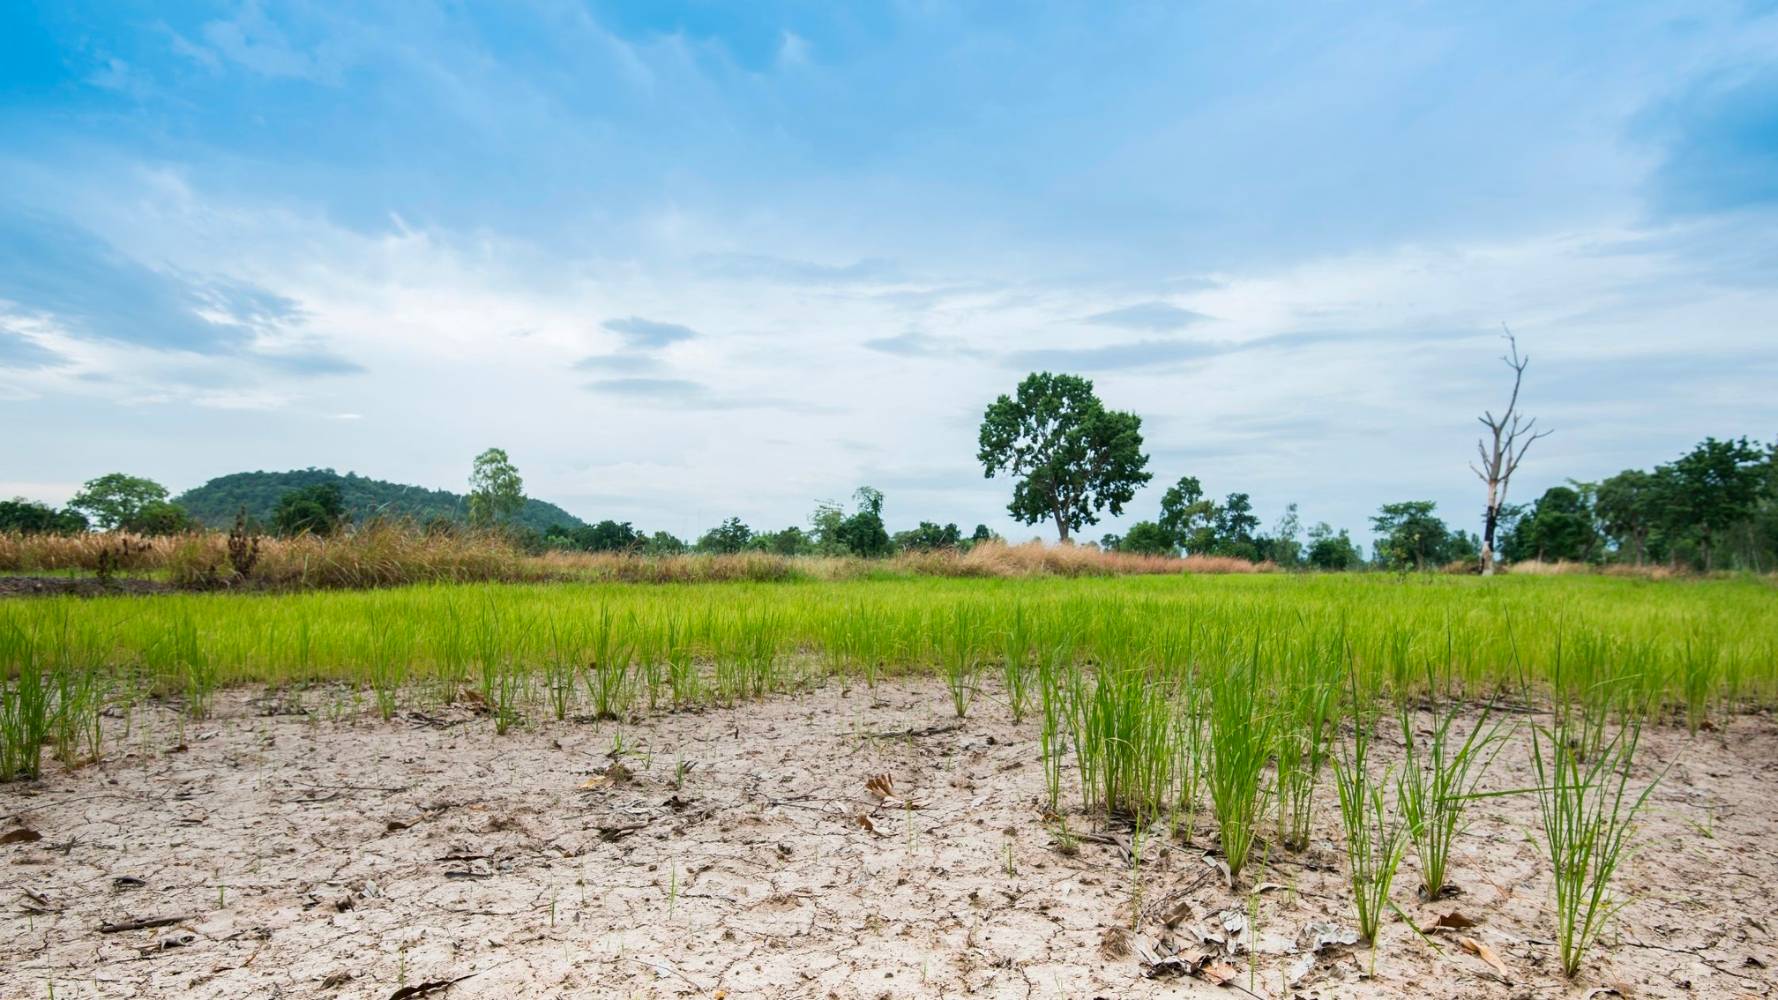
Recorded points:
(384, 554)
(1034, 558)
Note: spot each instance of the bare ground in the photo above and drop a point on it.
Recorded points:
(302, 857)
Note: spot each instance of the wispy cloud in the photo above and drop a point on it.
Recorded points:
(915, 344)
(1148, 316)
(649, 334)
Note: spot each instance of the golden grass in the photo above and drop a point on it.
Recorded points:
(387, 554)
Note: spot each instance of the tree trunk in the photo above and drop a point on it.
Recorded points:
(1062, 527)
(1490, 520)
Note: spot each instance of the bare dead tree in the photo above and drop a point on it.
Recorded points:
(1509, 437)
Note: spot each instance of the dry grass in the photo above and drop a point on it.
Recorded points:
(388, 554)
(1034, 558)
(1648, 571)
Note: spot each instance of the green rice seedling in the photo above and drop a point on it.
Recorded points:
(24, 705)
(760, 660)
(196, 666)
(1015, 659)
(1375, 834)
(1241, 741)
(1052, 739)
(1306, 694)
(499, 649)
(391, 651)
(1700, 675)
(682, 674)
(1438, 781)
(1190, 744)
(1588, 816)
(561, 665)
(608, 672)
(1125, 745)
(961, 659)
(652, 662)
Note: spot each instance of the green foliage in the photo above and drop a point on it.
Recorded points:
(1711, 488)
(319, 509)
(27, 517)
(1559, 526)
(1188, 517)
(114, 500)
(214, 504)
(792, 541)
(1146, 538)
(159, 517)
(1409, 536)
(930, 536)
(496, 492)
(863, 534)
(662, 543)
(1072, 457)
(1628, 507)
(728, 537)
(606, 536)
(1330, 551)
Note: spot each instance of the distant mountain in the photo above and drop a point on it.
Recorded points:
(216, 502)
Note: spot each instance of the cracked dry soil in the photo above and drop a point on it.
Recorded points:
(739, 853)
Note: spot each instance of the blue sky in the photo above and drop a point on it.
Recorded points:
(687, 260)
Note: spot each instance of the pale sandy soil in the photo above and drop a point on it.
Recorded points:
(314, 858)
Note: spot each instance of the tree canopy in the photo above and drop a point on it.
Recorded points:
(1073, 458)
(116, 500)
(496, 492)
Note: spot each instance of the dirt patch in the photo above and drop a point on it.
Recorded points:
(750, 853)
(50, 586)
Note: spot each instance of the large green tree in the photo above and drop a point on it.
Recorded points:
(1628, 505)
(1409, 534)
(114, 500)
(1559, 526)
(1187, 517)
(1072, 457)
(313, 510)
(1713, 487)
(496, 492)
(28, 517)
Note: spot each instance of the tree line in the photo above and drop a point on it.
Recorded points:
(1071, 460)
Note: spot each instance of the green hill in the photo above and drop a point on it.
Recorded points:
(216, 502)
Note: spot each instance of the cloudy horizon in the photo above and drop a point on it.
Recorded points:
(685, 262)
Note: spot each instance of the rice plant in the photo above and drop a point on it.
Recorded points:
(24, 706)
(1125, 744)
(1438, 781)
(1015, 658)
(1588, 816)
(608, 672)
(1375, 835)
(1241, 741)
(1306, 689)
(961, 657)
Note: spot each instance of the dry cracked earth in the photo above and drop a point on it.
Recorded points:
(273, 851)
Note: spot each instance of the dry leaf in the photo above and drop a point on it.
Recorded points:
(880, 786)
(1486, 954)
(20, 836)
(864, 821)
(1453, 921)
(1218, 973)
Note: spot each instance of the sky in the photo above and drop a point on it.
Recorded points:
(688, 260)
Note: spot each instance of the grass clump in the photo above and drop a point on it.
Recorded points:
(1241, 742)
(1588, 814)
(1375, 836)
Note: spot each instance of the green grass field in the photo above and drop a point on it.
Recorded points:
(1156, 699)
(1692, 645)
